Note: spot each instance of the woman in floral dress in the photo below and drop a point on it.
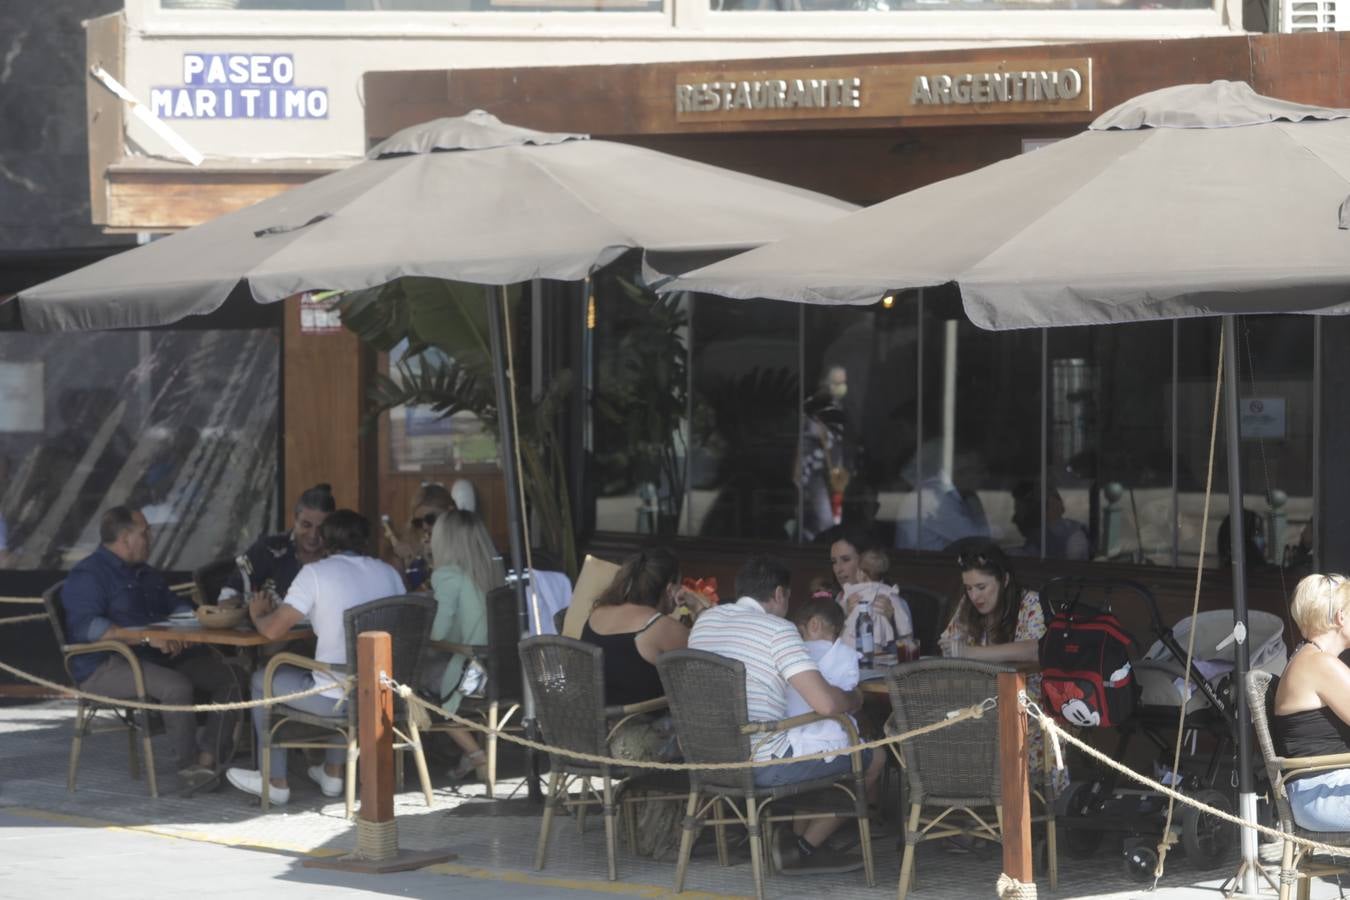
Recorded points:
(997, 621)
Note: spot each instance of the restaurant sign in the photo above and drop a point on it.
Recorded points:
(999, 86)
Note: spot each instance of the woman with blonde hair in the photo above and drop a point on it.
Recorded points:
(465, 572)
(1311, 714)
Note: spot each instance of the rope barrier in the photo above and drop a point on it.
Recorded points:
(15, 620)
(1165, 840)
(1054, 732)
(164, 707)
(952, 718)
(26, 601)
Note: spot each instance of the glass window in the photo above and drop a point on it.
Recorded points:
(1275, 396)
(859, 411)
(1110, 447)
(420, 438)
(746, 415)
(948, 5)
(640, 403)
(182, 424)
(978, 441)
(418, 5)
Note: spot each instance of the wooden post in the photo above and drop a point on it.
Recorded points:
(375, 732)
(1012, 735)
(375, 715)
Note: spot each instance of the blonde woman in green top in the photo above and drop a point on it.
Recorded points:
(464, 573)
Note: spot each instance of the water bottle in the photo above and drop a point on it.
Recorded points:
(866, 647)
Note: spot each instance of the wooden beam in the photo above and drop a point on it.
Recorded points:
(375, 709)
(1012, 736)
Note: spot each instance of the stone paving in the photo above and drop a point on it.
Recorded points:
(494, 840)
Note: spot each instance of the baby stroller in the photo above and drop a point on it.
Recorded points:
(1100, 803)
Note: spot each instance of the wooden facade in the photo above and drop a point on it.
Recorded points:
(853, 157)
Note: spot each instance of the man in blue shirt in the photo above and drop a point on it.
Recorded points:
(113, 590)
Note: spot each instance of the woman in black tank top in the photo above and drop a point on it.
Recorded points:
(1311, 714)
(628, 622)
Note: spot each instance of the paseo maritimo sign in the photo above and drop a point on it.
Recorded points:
(999, 86)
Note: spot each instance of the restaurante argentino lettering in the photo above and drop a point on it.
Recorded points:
(997, 87)
(769, 93)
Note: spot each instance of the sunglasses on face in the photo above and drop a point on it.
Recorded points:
(426, 521)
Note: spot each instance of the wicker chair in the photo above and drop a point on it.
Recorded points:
(501, 698)
(955, 769)
(1294, 864)
(928, 610)
(708, 704)
(133, 721)
(566, 677)
(407, 618)
(208, 580)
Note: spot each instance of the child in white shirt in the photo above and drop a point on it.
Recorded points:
(820, 623)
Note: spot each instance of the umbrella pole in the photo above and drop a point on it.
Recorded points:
(1246, 795)
(506, 428)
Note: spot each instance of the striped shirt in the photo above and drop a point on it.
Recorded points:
(772, 651)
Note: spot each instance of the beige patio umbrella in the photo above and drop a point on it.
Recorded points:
(1193, 200)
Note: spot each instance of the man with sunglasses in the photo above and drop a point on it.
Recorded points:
(277, 558)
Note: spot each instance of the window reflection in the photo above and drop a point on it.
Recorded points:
(1110, 445)
(181, 424)
(860, 417)
(981, 415)
(418, 5)
(641, 403)
(746, 404)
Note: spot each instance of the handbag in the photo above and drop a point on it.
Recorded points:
(473, 680)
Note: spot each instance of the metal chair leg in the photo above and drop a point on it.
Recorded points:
(148, 754)
(492, 749)
(353, 754)
(420, 758)
(550, 805)
(756, 846)
(907, 861)
(133, 757)
(77, 742)
(611, 843)
(689, 826)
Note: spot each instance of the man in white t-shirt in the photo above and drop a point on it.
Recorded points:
(322, 592)
(754, 631)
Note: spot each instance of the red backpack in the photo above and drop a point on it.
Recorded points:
(1086, 674)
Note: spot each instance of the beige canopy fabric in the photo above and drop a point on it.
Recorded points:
(468, 199)
(1188, 201)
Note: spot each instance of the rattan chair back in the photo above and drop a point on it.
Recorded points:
(407, 618)
(928, 610)
(209, 580)
(708, 706)
(56, 612)
(1260, 696)
(957, 765)
(567, 679)
(502, 659)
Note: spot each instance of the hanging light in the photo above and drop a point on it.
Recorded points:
(590, 313)
(888, 301)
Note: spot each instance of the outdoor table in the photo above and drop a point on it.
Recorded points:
(246, 638)
(222, 637)
(874, 681)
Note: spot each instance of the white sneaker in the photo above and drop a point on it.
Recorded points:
(250, 782)
(330, 785)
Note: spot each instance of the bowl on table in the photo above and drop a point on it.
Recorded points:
(222, 616)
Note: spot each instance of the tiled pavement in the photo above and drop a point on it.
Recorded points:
(494, 841)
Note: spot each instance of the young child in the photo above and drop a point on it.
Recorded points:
(899, 628)
(820, 622)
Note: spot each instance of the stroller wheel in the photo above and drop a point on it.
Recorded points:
(1206, 838)
(1078, 843)
(1140, 861)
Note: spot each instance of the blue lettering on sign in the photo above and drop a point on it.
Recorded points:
(239, 86)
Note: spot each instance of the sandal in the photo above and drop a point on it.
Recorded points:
(475, 762)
